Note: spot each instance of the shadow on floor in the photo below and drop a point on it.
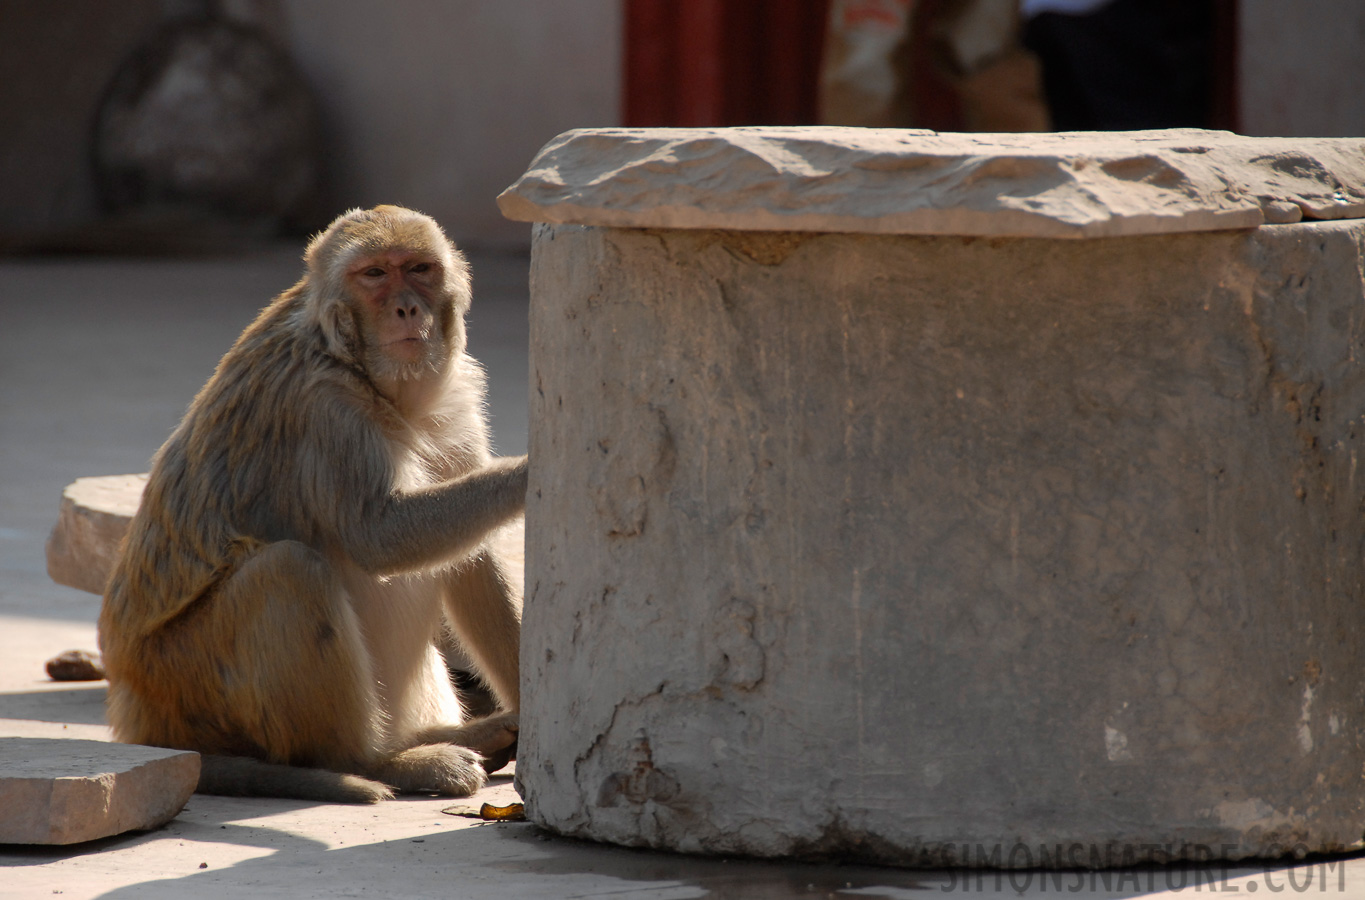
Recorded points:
(515, 860)
(520, 860)
(83, 705)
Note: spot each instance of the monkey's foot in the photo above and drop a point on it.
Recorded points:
(444, 768)
(484, 736)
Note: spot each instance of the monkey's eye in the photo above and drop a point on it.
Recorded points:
(420, 268)
(373, 272)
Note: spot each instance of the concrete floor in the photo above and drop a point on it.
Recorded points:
(98, 359)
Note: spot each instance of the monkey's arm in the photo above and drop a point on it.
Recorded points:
(420, 529)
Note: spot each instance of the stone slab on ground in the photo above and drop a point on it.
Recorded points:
(93, 518)
(900, 181)
(55, 791)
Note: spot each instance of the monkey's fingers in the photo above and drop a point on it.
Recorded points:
(496, 760)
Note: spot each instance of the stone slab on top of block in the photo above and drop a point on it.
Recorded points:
(921, 548)
(898, 181)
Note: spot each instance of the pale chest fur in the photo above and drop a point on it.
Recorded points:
(446, 435)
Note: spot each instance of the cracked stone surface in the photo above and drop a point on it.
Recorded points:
(893, 546)
(900, 181)
(62, 791)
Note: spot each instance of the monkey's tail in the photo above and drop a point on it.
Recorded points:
(240, 776)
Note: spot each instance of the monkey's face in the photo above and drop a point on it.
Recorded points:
(401, 302)
(388, 292)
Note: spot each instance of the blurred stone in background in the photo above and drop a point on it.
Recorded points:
(208, 122)
(434, 106)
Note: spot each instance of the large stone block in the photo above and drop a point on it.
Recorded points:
(57, 791)
(912, 548)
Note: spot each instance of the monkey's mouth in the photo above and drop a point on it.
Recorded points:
(407, 350)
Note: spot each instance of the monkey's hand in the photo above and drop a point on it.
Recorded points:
(492, 732)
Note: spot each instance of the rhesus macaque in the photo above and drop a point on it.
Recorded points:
(328, 495)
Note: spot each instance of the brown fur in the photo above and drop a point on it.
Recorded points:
(282, 585)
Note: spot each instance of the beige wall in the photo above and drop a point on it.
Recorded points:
(440, 104)
(1302, 67)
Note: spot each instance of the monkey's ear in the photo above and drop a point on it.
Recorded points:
(324, 288)
(336, 319)
(458, 280)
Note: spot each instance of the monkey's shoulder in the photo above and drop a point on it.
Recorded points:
(275, 372)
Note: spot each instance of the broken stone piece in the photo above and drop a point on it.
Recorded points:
(57, 791)
(75, 665)
(94, 516)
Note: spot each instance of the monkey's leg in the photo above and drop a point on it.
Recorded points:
(425, 702)
(294, 673)
(317, 702)
(266, 676)
(304, 687)
(483, 606)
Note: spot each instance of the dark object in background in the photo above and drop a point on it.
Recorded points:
(1133, 64)
(208, 122)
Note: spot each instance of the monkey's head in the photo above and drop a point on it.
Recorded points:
(389, 292)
